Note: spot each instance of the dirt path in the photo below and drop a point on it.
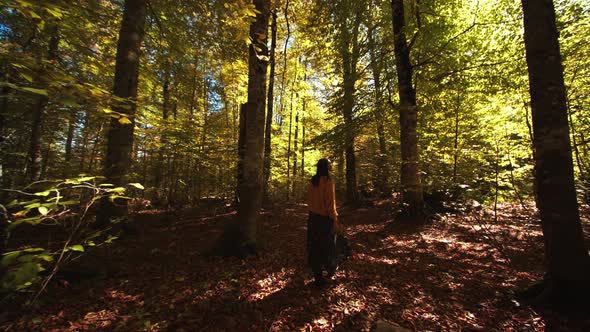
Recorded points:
(443, 277)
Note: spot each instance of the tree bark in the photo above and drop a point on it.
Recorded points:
(97, 141)
(240, 239)
(84, 144)
(159, 171)
(295, 142)
(270, 104)
(34, 158)
(289, 142)
(376, 67)
(412, 199)
(350, 52)
(68, 147)
(120, 136)
(565, 252)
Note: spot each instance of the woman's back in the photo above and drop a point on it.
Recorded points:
(321, 198)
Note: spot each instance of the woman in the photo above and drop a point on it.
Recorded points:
(322, 222)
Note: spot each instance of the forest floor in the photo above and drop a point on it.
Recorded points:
(458, 272)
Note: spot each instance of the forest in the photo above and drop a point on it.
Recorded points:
(156, 156)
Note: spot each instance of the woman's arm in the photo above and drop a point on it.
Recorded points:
(331, 201)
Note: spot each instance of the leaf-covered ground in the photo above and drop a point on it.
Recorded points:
(457, 273)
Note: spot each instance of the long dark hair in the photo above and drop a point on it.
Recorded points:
(322, 169)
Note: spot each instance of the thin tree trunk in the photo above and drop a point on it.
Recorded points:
(456, 139)
(120, 136)
(193, 92)
(303, 146)
(45, 161)
(289, 144)
(412, 199)
(68, 147)
(34, 158)
(582, 167)
(295, 142)
(566, 254)
(205, 113)
(6, 179)
(350, 53)
(84, 144)
(270, 104)
(376, 66)
(159, 171)
(94, 151)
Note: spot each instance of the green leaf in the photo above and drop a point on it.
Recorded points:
(69, 202)
(137, 185)
(10, 85)
(77, 247)
(43, 210)
(43, 193)
(26, 273)
(32, 221)
(118, 190)
(45, 257)
(10, 257)
(27, 77)
(42, 92)
(32, 206)
(33, 250)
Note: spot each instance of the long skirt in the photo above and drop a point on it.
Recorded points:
(320, 243)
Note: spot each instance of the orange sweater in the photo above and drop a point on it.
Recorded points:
(322, 200)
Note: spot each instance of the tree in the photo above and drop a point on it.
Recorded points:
(270, 103)
(347, 21)
(120, 133)
(35, 168)
(242, 236)
(567, 259)
(410, 171)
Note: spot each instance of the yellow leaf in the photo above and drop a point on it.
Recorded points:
(123, 120)
(43, 210)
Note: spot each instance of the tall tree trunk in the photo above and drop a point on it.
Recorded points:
(84, 144)
(566, 254)
(97, 140)
(376, 68)
(289, 143)
(5, 178)
(303, 145)
(45, 161)
(241, 239)
(582, 167)
(295, 142)
(350, 52)
(159, 171)
(120, 136)
(205, 112)
(456, 139)
(34, 158)
(270, 104)
(412, 199)
(193, 91)
(68, 147)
